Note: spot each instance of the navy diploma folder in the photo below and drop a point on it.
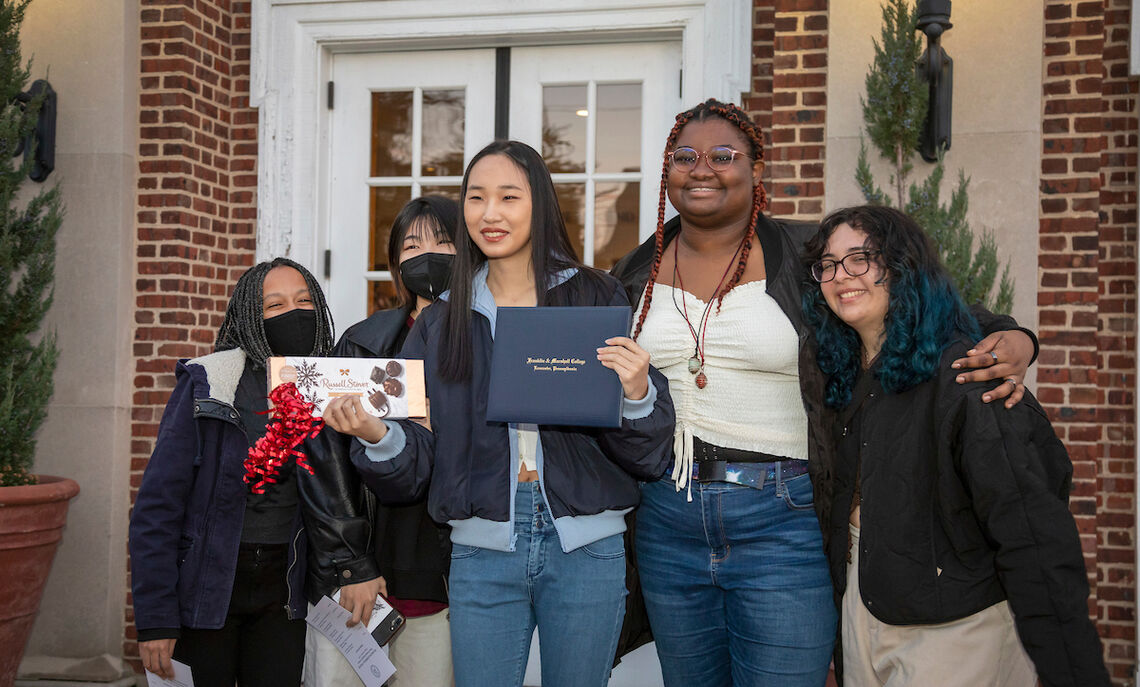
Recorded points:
(545, 368)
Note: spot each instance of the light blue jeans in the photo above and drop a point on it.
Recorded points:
(736, 584)
(576, 599)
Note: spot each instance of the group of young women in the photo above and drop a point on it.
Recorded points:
(815, 463)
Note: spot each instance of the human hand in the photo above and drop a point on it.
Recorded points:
(631, 362)
(156, 655)
(346, 415)
(359, 599)
(1002, 355)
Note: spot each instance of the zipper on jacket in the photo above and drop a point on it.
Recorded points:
(289, 574)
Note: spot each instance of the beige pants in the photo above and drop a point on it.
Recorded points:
(981, 650)
(421, 653)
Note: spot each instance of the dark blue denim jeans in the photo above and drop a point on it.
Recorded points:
(576, 599)
(736, 584)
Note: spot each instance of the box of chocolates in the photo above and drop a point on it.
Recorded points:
(387, 387)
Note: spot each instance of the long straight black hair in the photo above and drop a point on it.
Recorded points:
(550, 252)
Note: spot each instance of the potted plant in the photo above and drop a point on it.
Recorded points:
(33, 508)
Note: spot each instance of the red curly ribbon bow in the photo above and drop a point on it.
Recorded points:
(292, 422)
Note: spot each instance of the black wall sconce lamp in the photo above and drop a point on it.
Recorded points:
(936, 67)
(42, 138)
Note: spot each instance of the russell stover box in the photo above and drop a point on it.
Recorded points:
(387, 387)
(545, 368)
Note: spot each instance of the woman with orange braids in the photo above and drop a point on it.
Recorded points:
(729, 550)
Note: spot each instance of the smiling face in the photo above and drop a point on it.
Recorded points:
(859, 301)
(284, 290)
(708, 198)
(497, 208)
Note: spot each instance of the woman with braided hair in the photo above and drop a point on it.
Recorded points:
(729, 550)
(220, 572)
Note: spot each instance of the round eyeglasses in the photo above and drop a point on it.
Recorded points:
(719, 158)
(854, 264)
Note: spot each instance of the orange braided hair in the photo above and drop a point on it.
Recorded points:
(706, 110)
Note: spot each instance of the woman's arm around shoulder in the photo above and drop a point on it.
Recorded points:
(1005, 353)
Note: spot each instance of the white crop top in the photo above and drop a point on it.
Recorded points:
(752, 400)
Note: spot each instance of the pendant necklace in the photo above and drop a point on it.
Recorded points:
(697, 361)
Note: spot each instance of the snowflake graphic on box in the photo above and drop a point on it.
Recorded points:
(307, 377)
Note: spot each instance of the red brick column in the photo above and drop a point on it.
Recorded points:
(798, 101)
(1116, 344)
(196, 200)
(1086, 297)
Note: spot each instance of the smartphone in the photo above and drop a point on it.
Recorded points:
(386, 621)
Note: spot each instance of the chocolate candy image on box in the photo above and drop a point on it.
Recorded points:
(393, 387)
(378, 375)
(394, 368)
(380, 402)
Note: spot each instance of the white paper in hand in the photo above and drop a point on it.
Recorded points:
(356, 642)
(182, 677)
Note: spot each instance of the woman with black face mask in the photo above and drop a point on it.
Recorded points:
(413, 552)
(221, 572)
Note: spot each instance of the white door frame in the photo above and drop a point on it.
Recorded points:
(292, 41)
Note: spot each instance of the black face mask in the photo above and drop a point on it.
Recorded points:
(427, 274)
(292, 333)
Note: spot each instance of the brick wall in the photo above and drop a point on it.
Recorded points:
(1116, 345)
(197, 181)
(789, 100)
(1086, 296)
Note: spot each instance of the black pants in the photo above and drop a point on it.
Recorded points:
(258, 646)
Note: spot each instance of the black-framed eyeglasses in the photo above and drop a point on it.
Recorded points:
(854, 264)
(719, 158)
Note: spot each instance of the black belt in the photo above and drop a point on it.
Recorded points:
(704, 452)
(711, 462)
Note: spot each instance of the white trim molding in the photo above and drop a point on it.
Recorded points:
(292, 40)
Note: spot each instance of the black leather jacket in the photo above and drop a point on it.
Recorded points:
(412, 550)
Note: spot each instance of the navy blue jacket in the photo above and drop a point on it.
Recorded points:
(589, 476)
(187, 520)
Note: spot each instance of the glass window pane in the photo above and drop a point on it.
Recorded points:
(616, 213)
(564, 128)
(449, 191)
(443, 133)
(384, 204)
(619, 128)
(381, 295)
(391, 134)
(572, 202)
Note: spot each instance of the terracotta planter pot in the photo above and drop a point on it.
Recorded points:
(31, 525)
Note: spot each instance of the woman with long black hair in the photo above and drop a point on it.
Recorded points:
(411, 549)
(537, 512)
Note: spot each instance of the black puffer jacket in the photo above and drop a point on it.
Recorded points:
(413, 551)
(963, 505)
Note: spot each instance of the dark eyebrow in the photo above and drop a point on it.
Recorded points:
(278, 294)
(501, 187)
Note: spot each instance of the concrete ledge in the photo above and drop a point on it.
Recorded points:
(56, 671)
